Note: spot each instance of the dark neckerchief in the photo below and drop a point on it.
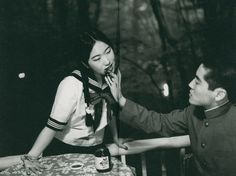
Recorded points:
(96, 98)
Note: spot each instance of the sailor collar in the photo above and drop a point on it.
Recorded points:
(92, 83)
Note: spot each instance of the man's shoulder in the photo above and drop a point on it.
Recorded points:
(190, 108)
(234, 105)
(233, 108)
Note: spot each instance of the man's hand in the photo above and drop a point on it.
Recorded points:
(114, 82)
(120, 142)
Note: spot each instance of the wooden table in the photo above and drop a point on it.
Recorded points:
(60, 165)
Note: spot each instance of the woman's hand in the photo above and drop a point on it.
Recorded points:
(32, 165)
(114, 82)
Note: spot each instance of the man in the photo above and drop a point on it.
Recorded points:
(210, 119)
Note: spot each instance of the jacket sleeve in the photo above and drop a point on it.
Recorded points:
(173, 123)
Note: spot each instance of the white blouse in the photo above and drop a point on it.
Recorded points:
(68, 115)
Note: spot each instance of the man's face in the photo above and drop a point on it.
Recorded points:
(199, 94)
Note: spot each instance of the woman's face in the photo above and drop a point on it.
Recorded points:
(102, 58)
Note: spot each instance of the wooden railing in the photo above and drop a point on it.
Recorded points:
(141, 146)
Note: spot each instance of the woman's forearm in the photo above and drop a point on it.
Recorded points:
(43, 140)
(9, 161)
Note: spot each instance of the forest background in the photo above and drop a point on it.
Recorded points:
(159, 44)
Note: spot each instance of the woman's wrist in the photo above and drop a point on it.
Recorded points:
(30, 158)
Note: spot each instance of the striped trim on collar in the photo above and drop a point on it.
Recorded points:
(93, 84)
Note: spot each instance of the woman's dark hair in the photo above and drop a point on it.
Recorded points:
(77, 46)
(81, 45)
(86, 42)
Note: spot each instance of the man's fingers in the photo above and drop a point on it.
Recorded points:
(123, 146)
(119, 76)
(113, 75)
(108, 81)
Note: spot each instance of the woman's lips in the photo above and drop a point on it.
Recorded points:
(190, 94)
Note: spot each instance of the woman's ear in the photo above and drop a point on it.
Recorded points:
(220, 94)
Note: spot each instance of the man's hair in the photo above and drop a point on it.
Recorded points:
(222, 74)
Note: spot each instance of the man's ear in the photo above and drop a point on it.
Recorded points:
(220, 94)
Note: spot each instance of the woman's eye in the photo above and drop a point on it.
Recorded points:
(108, 50)
(96, 58)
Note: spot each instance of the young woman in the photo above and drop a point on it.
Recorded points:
(83, 104)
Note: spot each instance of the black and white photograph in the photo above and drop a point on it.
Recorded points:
(117, 87)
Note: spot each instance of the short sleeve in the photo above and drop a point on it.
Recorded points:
(68, 93)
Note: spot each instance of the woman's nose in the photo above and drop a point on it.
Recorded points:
(106, 60)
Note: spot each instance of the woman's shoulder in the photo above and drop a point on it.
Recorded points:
(70, 82)
(72, 79)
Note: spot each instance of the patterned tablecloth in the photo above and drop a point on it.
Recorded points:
(66, 165)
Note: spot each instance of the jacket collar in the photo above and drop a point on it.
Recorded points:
(216, 112)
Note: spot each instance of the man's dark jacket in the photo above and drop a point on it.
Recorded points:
(212, 133)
